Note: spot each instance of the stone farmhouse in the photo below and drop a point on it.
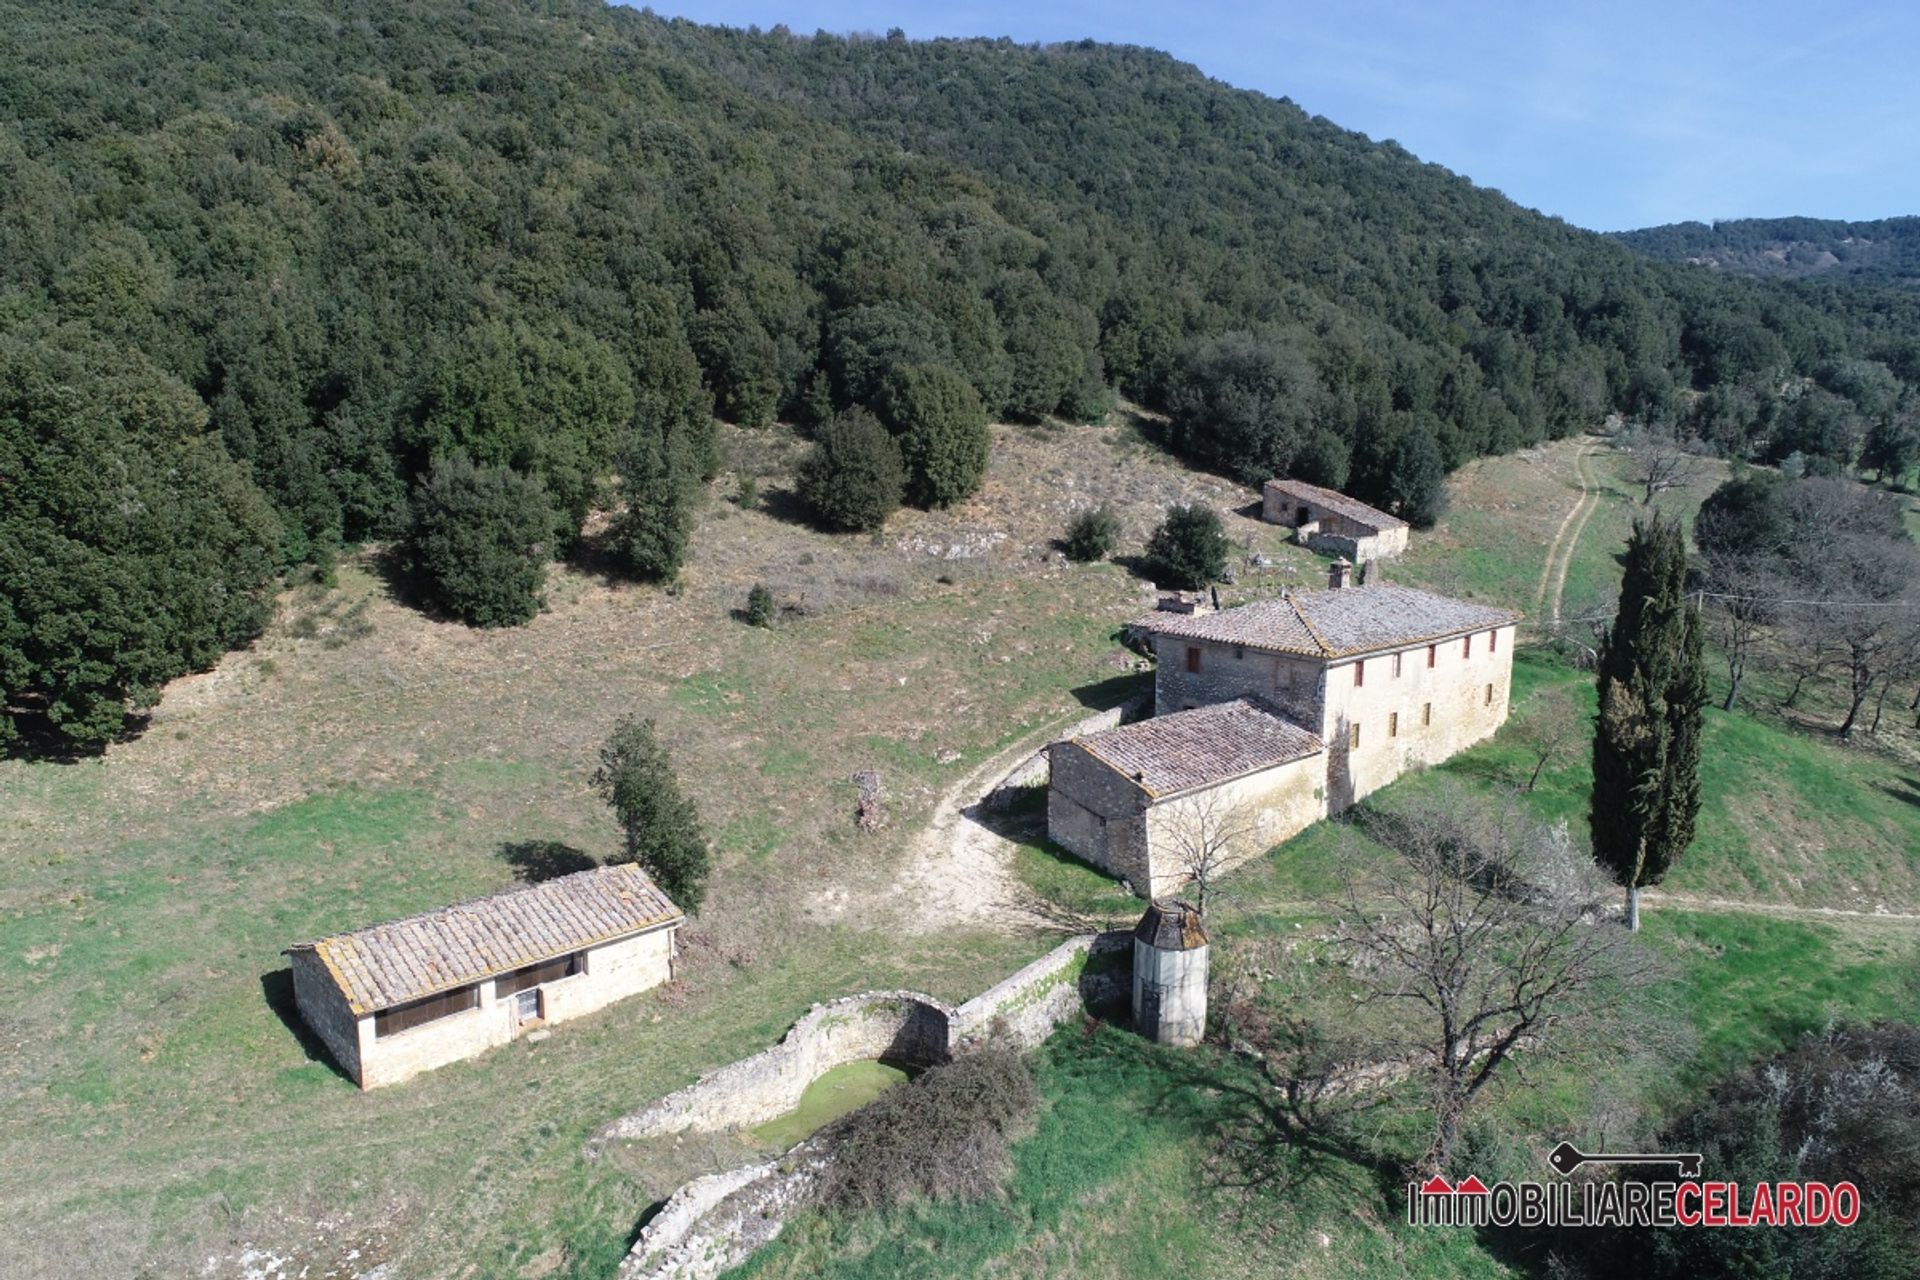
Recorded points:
(1274, 715)
(1331, 522)
(393, 1000)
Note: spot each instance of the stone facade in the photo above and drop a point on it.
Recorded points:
(1098, 815)
(1387, 678)
(609, 972)
(1407, 714)
(1409, 710)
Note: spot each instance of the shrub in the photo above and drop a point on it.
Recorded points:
(760, 606)
(480, 541)
(1842, 1105)
(1189, 549)
(946, 1136)
(853, 479)
(1093, 535)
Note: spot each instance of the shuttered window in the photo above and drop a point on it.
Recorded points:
(1193, 658)
(1466, 646)
(1493, 642)
(1359, 673)
(1433, 652)
(535, 974)
(1393, 724)
(392, 1021)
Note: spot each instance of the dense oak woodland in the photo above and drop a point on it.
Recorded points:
(1885, 251)
(266, 269)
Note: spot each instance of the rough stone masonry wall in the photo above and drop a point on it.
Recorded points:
(902, 1026)
(324, 1008)
(1095, 813)
(714, 1223)
(1228, 672)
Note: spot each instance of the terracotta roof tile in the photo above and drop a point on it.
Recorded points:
(1338, 503)
(384, 965)
(1335, 623)
(1173, 753)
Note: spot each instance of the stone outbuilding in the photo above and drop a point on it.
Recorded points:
(393, 1000)
(1170, 975)
(1328, 521)
(1139, 800)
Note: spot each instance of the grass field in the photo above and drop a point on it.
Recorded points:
(1127, 1174)
(361, 762)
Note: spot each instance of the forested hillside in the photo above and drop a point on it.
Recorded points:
(1886, 251)
(279, 279)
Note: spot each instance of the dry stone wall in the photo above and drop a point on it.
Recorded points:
(714, 1223)
(901, 1026)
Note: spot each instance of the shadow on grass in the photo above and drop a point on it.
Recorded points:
(276, 988)
(1906, 790)
(1114, 691)
(534, 861)
(1265, 1135)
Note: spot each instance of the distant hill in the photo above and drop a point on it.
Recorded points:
(1882, 252)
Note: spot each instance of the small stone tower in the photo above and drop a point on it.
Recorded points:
(1170, 975)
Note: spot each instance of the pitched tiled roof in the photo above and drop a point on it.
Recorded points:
(1335, 623)
(1174, 753)
(388, 964)
(1338, 503)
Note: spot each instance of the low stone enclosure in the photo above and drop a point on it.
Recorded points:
(715, 1222)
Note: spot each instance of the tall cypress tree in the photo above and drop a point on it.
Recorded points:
(1646, 744)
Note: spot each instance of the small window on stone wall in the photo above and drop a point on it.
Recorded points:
(1466, 646)
(1353, 737)
(1433, 653)
(1360, 673)
(1393, 724)
(1426, 713)
(1396, 664)
(1193, 658)
(1493, 642)
(388, 1022)
(1489, 695)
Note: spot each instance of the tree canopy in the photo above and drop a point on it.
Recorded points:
(364, 238)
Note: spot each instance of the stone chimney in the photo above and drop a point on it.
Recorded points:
(1338, 572)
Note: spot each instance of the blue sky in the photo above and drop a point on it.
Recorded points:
(1610, 115)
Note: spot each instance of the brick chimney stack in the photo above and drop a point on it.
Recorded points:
(1338, 572)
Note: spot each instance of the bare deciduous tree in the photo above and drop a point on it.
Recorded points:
(1554, 728)
(1204, 837)
(1743, 591)
(1660, 463)
(1480, 936)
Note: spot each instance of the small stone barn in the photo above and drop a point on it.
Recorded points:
(1331, 522)
(393, 1000)
(1134, 800)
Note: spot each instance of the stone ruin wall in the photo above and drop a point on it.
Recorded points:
(715, 1222)
(901, 1026)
